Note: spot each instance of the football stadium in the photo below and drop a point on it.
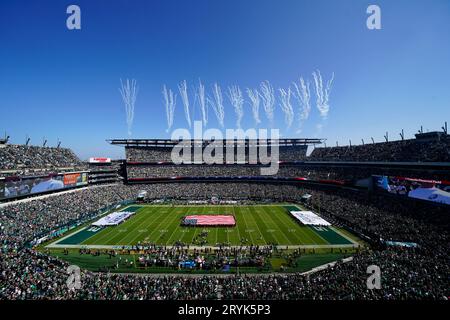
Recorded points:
(224, 186)
(326, 216)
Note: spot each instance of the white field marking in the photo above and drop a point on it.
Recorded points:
(161, 223)
(246, 226)
(110, 235)
(272, 219)
(237, 227)
(344, 235)
(256, 223)
(303, 233)
(133, 224)
(68, 236)
(176, 228)
(145, 223)
(88, 225)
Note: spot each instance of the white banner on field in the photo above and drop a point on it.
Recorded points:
(113, 219)
(310, 218)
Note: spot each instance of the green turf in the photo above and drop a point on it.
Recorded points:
(258, 225)
(128, 263)
(80, 236)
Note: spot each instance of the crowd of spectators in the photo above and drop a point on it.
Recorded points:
(419, 272)
(23, 160)
(167, 171)
(308, 171)
(412, 150)
(164, 154)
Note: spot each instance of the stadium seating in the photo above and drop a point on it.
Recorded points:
(30, 159)
(407, 271)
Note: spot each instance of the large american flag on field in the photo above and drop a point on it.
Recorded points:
(209, 220)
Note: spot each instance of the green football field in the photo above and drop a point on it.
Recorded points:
(256, 224)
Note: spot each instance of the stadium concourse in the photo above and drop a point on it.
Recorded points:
(407, 238)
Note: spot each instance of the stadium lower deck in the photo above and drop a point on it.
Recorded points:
(255, 225)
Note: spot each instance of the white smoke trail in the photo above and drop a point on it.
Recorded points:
(237, 101)
(202, 101)
(323, 94)
(185, 99)
(254, 99)
(170, 100)
(217, 104)
(129, 92)
(303, 95)
(268, 99)
(286, 106)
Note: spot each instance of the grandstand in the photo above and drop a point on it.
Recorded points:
(356, 222)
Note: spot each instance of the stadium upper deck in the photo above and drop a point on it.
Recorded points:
(155, 150)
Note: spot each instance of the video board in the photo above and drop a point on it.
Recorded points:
(13, 187)
(429, 190)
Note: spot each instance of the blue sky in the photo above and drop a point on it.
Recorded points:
(64, 84)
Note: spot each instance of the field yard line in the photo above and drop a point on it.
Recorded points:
(110, 230)
(272, 218)
(69, 235)
(246, 225)
(263, 217)
(234, 213)
(114, 229)
(196, 229)
(168, 214)
(256, 223)
(304, 232)
(131, 227)
(175, 229)
(343, 235)
(153, 208)
(269, 216)
(147, 222)
(309, 227)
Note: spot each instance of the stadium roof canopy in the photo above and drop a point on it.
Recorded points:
(171, 143)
